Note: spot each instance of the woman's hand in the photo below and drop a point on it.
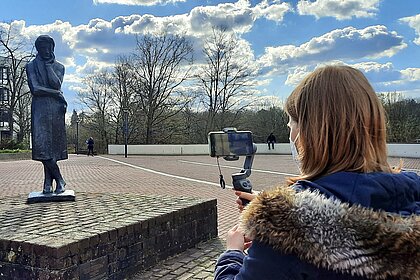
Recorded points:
(244, 195)
(236, 239)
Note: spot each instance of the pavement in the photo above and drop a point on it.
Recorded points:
(190, 176)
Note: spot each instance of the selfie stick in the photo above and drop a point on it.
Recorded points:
(240, 181)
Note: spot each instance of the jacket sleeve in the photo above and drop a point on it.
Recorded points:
(263, 262)
(228, 265)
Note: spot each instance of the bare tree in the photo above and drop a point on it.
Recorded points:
(125, 110)
(14, 55)
(98, 99)
(161, 65)
(225, 79)
(22, 113)
(403, 117)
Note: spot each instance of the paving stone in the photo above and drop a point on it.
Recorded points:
(185, 276)
(97, 240)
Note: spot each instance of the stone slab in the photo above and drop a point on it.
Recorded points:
(15, 156)
(99, 236)
(35, 197)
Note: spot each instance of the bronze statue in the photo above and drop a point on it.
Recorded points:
(49, 144)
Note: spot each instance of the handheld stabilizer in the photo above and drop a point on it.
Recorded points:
(239, 180)
(230, 144)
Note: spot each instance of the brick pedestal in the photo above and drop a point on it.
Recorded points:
(98, 236)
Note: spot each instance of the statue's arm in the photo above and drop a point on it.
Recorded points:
(37, 89)
(55, 72)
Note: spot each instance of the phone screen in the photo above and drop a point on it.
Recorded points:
(237, 143)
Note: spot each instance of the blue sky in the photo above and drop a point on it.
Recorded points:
(285, 40)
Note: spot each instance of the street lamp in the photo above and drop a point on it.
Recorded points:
(77, 135)
(125, 112)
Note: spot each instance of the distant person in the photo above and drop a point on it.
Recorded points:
(90, 144)
(49, 143)
(348, 214)
(271, 139)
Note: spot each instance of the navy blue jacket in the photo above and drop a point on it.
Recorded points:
(281, 252)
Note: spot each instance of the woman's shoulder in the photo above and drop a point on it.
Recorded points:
(344, 179)
(411, 174)
(310, 226)
(378, 190)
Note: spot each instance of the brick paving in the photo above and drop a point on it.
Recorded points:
(161, 175)
(100, 235)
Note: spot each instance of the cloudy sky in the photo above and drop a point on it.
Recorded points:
(284, 39)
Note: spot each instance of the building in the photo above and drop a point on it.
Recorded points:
(5, 132)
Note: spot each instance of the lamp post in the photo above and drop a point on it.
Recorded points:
(125, 111)
(77, 135)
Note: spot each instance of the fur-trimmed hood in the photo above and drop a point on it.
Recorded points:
(334, 235)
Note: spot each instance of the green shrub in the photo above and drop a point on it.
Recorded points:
(12, 145)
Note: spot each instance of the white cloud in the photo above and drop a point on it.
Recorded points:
(411, 74)
(272, 10)
(341, 44)
(378, 72)
(137, 2)
(103, 41)
(99, 40)
(72, 78)
(266, 102)
(385, 78)
(295, 77)
(414, 22)
(386, 74)
(93, 66)
(61, 32)
(149, 24)
(339, 9)
(296, 74)
(372, 66)
(89, 47)
(262, 82)
(14, 29)
(237, 17)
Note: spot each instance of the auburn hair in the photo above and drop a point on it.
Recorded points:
(341, 123)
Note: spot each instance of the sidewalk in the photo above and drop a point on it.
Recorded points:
(193, 176)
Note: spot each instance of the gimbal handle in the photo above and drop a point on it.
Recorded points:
(240, 181)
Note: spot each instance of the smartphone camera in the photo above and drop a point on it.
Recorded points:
(230, 143)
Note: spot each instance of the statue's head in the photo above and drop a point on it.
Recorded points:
(44, 44)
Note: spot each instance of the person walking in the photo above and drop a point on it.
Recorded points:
(271, 139)
(90, 144)
(348, 214)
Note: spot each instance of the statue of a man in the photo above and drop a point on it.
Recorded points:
(49, 143)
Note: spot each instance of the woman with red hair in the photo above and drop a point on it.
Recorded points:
(348, 215)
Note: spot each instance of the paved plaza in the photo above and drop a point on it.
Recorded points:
(190, 176)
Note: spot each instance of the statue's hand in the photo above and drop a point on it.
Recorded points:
(49, 62)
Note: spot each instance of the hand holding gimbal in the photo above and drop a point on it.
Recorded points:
(230, 144)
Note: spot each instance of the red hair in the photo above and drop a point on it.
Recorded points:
(341, 123)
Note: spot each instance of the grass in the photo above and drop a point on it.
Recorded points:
(13, 151)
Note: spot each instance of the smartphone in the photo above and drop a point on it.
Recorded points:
(230, 143)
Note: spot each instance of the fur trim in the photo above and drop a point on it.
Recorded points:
(332, 235)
